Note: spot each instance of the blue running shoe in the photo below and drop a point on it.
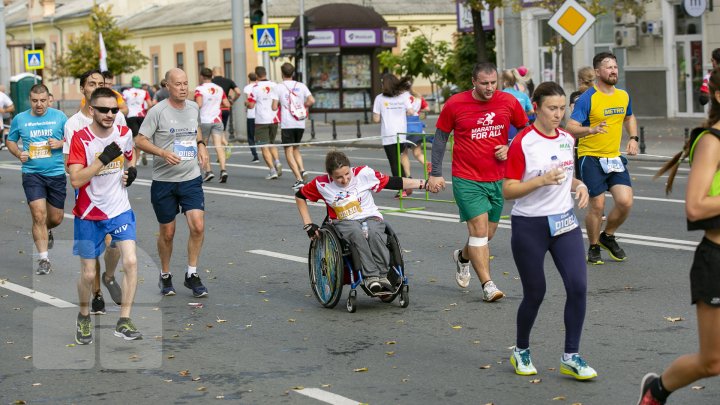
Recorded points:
(577, 368)
(193, 282)
(165, 284)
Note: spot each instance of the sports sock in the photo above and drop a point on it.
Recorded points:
(43, 255)
(165, 275)
(191, 270)
(518, 350)
(461, 258)
(658, 390)
(568, 356)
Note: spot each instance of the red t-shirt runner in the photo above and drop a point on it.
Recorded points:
(480, 126)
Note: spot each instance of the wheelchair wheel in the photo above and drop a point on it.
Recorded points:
(326, 268)
(350, 305)
(404, 297)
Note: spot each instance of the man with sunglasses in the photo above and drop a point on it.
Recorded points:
(43, 174)
(101, 167)
(89, 82)
(171, 132)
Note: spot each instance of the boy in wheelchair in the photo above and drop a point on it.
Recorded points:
(347, 193)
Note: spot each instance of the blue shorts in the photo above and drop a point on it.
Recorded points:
(417, 140)
(51, 188)
(595, 178)
(170, 198)
(90, 235)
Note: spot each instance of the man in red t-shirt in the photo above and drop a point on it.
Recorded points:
(480, 119)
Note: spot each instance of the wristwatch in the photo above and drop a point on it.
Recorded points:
(201, 142)
(635, 138)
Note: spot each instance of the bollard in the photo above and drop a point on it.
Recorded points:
(312, 129)
(359, 134)
(365, 109)
(687, 133)
(642, 140)
(334, 130)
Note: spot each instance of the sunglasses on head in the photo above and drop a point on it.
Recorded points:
(105, 110)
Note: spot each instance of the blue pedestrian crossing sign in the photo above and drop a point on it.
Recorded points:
(34, 59)
(266, 37)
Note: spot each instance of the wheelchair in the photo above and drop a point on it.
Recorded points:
(332, 264)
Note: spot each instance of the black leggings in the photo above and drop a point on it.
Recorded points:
(530, 241)
(391, 153)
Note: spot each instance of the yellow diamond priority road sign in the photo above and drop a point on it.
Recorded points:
(571, 21)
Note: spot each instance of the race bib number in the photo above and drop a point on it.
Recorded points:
(562, 223)
(186, 149)
(347, 208)
(39, 150)
(113, 167)
(610, 165)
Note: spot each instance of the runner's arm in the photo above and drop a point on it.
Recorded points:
(579, 131)
(404, 183)
(80, 176)
(438, 152)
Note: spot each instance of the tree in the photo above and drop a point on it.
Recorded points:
(84, 50)
(462, 59)
(481, 37)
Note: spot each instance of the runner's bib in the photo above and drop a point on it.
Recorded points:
(347, 208)
(610, 165)
(562, 223)
(117, 164)
(186, 149)
(39, 150)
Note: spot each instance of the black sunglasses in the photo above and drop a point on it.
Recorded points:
(105, 110)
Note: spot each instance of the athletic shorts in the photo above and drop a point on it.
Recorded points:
(705, 274)
(210, 128)
(225, 115)
(475, 198)
(90, 235)
(595, 178)
(134, 124)
(417, 140)
(170, 198)
(291, 135)
(265, 133)
(51, 188)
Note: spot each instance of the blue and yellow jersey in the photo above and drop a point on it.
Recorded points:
(594, 107)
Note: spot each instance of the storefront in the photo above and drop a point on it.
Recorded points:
(343, 69)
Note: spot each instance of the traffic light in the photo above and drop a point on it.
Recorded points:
(255, 13)
(299, 47)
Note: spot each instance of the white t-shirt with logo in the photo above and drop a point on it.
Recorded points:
(80, 121)
(5, 102)
(135, 100)
(263, 94)
(212, 98)
(283, 89)
(104, 196)
(393, 116)
(247, 90)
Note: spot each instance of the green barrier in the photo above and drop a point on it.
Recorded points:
(426, 198)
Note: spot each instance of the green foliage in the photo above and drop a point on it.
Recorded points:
(422, 57)
(84, 50)
(460, 64)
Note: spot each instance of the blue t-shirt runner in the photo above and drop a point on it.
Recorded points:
(35, 133)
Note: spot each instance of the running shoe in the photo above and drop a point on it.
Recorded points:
(43, 267)
(609, 243)
(298, 185)
(223, 176)
(386, 284)
(193, 282)
(113, 288)
(402, 193)
(373, 284)
(593, 255)
(278, 167)
(127, 330)
(304, 175)
(271, 176)
(462, 274)
(143, 158)
(255, 160)
(165, 284)
(97, 307)
(51, 240)
(646, 396)
(83, 333)
(491, 292)
(577, 368)
(208, 176)
(522, 362)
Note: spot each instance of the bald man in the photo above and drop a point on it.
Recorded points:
(171, 132)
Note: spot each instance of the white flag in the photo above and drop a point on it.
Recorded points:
(103, 55)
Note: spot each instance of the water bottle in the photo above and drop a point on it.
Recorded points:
(365, 229)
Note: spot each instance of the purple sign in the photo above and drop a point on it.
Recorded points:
(465, 20)
(347, 37)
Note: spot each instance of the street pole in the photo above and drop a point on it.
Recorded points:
(303, 61)
(266, 55)
(4, 59)
(32, 39)
(239, 63)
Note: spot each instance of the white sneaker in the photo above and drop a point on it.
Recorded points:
(577, 368)
(462, 275)
(278, 167)
(271, 176)
(522, 362)
(491, 292)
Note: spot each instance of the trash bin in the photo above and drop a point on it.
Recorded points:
(20, 86)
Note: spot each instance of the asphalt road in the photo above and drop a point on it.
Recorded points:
(261, 336)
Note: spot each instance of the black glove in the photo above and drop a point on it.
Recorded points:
(110, 153)
(310, 229)
(132, 174)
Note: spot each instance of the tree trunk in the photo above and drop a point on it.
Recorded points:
(479, 35)
(568, 79)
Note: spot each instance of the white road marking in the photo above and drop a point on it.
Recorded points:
(680, 169)
(279, 255)
(326, 396)
(48, 299)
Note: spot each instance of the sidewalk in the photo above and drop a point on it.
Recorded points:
(663, 136)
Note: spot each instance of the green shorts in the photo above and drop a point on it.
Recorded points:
(265, 133)
(475, 198)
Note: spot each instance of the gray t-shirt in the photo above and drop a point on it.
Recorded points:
(174, 130)
(161, 95)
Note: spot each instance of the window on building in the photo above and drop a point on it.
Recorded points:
(227, 62)
(156, 68)
(180, 60)
(201, 60)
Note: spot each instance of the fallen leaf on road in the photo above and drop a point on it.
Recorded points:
(168, 380)
(19, 401)
(9, 342)
(70, 345)
(299, 387)
(551, 368)
(196, 379)
(262, 292)
(673, 319)
(36, 384)
(390, 342)
(266, 300)
(220, 397)
(577, 403)
(390, 353)
(698, 387)
(360, 370)
(220, 320)
(172, 356)
(325, 385)
(405, 380)
(185, 373)
(134, 357)
(506, 272)
(432, 280)
(291, 320)
(476, 342)
(485, 367)
(209, 325)
(201, 389)
(27, 357)
(248, 326)
(454, 304)
(560, 398)
(536, 381)
(456, 326)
